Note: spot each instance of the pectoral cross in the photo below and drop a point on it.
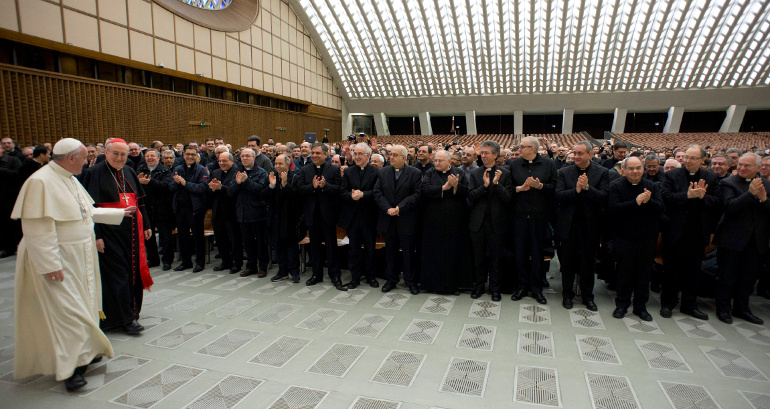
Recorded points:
(125, 197)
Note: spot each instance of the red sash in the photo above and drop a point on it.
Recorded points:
(122, 204)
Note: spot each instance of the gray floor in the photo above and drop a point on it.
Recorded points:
(215, 340)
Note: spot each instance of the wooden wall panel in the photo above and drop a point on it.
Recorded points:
(40, 106)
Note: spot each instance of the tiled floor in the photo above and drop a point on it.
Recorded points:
(216, 340)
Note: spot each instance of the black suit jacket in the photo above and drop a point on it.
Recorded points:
(594, 199)
(743, 215)
(223, 206)
(328, 196)
(495, 198)
(404, 194)
(673, 188)
(364, 210)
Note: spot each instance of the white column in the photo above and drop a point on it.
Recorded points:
(425, 128)
(518, 122)
(566, 121)
(733, 119)
(381, 123)
(347, 122)
(619, 122)
(470, 122)
(674, 120)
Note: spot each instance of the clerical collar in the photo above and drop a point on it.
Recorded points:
(443, 171)
(530, 161)
(397, 170)
(748, 179)
(634, 183)
(317, 166)
(188, 166)
(245, 168)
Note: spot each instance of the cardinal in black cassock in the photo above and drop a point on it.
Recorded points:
(445, 253)
(122, 261)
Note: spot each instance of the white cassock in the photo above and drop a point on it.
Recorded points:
(57, 322)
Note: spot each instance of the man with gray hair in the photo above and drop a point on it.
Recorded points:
(652, 168)
(156, 178)
(284, 218)
(377, 160)
(224, 212)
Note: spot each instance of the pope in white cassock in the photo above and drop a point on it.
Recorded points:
(58, 287)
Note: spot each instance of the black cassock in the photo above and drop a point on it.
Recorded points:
(445, 259)
(121, 263)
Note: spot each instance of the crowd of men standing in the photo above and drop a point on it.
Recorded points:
(477, 217)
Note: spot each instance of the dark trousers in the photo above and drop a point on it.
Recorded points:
(229, 242)
(11, 229)
(288, 256)
(577, 256)
(681, 263)
(255, 242)
(165, 229)
(188, 223)
(737, 275)
(151, 248)
(395, 240)
(635, 258)
(529, 240)
(323, 242)
(487, 250)
(361, 261)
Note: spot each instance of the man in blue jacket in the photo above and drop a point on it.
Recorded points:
(189, 203)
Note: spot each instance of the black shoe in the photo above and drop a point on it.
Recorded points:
(166, 267)
(247, 272)
(496, 297)
(665, 312)
(388, 286)
(748, 316)
(295, 279)
(540, 298)
(567, 303)
(725, 317)
(373, 283)
(477, 293)
(133, 328)
(314, 280)
(198, 269)
(96, 360)
(338, 285)
(222, 267)
(235, 269)
(696, 313)
(153, 265)
(218, 256)
(643, 315)
(182, 267)
(75, 382)
(619, 312)
(590, 305)
(414, 289)
(277, 277)
(519, 294)
(353, 284)
(546, 283)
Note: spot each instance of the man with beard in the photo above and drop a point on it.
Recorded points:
(122, 258)
(224, 213)
(156, 178)
(284, 217)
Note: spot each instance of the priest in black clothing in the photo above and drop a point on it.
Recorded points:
(224, 213)
(636, 199)
(424, 162)
(284, 216)
(445, 263)
(40, 156)
(122, 258)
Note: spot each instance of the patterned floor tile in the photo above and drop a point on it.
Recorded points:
(635, 324)
(422, 331)
(756, 400)
(684, 396)
(297, 397)
(609, 391)
(583, 318)
(103, 375)
(465, 377)
(8, 378)
(227, 393)
(662, 355)
(478, 337)
(311, 292)
(535, 343)
(370, 325)
(6, 353)
(337, 360)
(174, 338)
(393, 301)
(168, 277)
(350, 297)
(154, 297)
(536, 385)
(271, 288)
(276, 313)
(597, 349)
(754, 333)
(399, 368)
(5, 303)
(235, 283)
(228, 343)
(280, 352)
(371, 403)
(697, 328)
(321, 320)
(151, 321)
(733, 364)
(534, 314)
(200, 280)
(234, 308)
(161, 385)
(438, 304)
(194, 302)
(487, 310)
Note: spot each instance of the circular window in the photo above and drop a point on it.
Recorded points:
(220, 15)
